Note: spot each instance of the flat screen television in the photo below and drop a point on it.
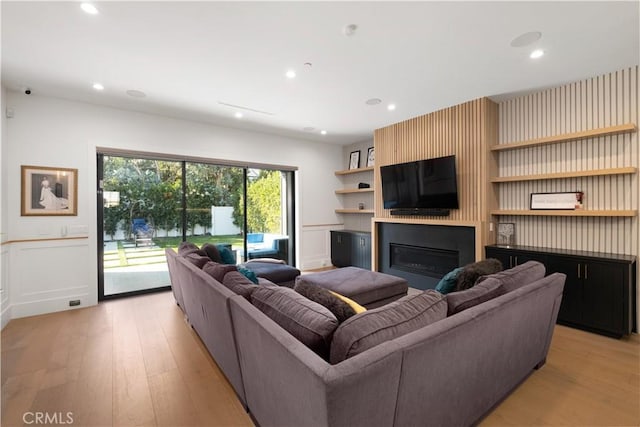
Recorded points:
(424, 184)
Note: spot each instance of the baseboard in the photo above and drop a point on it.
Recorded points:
(5, 316)
(45, 306)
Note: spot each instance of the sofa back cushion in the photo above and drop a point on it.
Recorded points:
(238, 283)
(306, 320)
(217, 271)
(186, 248)
(366, 330)
(325, 298)
(197, 259)
(481, 292)
(518, 276)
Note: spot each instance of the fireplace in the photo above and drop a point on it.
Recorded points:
(423, 253)
(420, 260)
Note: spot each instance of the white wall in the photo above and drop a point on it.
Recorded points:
(55, 132)
(5, 313)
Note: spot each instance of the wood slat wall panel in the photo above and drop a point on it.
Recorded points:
(462, 130)
(602, 101)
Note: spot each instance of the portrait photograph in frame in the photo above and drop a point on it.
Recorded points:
(354, 160)
(49, 191)
(371, 156)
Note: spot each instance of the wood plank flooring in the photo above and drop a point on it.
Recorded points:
(135, 362)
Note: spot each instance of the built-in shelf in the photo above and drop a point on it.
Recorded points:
(354, 211)
(354, 190)
(577, 212)
(593, 133)
(350, 171)
(560, 175)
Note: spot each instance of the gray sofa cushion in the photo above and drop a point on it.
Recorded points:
(212, 252)
(322, 296)
(518, 276)
(376, 326)
(196, 259)
(306, 320)
(186, 248)
(218, 271)
(481, 292)
(238, 283)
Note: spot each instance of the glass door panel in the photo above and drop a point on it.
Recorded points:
(215, 213)
(141, 217)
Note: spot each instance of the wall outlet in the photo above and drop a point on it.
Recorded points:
(74, 302)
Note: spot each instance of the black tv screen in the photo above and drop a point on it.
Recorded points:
(429, 183)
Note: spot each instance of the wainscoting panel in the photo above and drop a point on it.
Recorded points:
(5, 308)
(599, 102)
(316, 242)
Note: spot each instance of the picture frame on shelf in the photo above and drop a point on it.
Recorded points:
(48, 191)
(506, 234)
(354, 160)
(569, 200)
(371, 156)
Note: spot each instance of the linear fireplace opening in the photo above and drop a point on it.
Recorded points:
(432, 262)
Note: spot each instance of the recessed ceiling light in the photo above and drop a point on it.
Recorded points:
(349, 30)
(526, 39)
(391, 107)
(373, 101)
(536, 54)
(323, 132)
(238, 115)
(290, 74)
(89, 8)
(136, 93)
(98, 86)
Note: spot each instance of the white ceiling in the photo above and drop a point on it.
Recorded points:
(188, 57)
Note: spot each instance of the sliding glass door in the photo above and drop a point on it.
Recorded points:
(147, 205)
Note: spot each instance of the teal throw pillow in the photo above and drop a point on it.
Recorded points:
(226, 254)
(449, 281)
(248, 274)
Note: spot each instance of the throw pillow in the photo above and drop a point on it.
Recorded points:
(239, 284)
(481, 292)
(306, 320)
(226, 255)
(373, 327)
(354, 305)
(196, 259)
(212, 252)
(472, 272)
(520, 275)
(186, 248)
(322, 296)
(216, 270)
(248, 274)
(449, 282)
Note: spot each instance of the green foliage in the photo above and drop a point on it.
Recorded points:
(264, 211)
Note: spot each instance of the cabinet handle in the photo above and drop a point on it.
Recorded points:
(586, 271)
(578, 271)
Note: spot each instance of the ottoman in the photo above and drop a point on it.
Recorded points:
(368, 288)
(274, 271)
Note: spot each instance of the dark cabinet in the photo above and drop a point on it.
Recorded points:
(599, 293)
(351, 248)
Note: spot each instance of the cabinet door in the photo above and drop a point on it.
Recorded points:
(572, 296)
(504, 255)
(361, 246)
(603, 296)
(340, 249)
(522, 257)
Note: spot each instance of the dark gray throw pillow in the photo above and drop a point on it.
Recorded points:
(472, 272)
(306, 320)
(197, 259)
(186, 248)
(218, 271)
(322, 296)
(212, 252)
(366, 330)
(238, 283)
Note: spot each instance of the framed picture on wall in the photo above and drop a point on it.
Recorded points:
(371, 156)
(49, 191)
(354, 160)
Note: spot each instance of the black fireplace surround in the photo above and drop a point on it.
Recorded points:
(422, 253)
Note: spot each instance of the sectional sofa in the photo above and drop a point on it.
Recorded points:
(450, 372)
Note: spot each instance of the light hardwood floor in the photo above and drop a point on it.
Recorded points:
(136, 362)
